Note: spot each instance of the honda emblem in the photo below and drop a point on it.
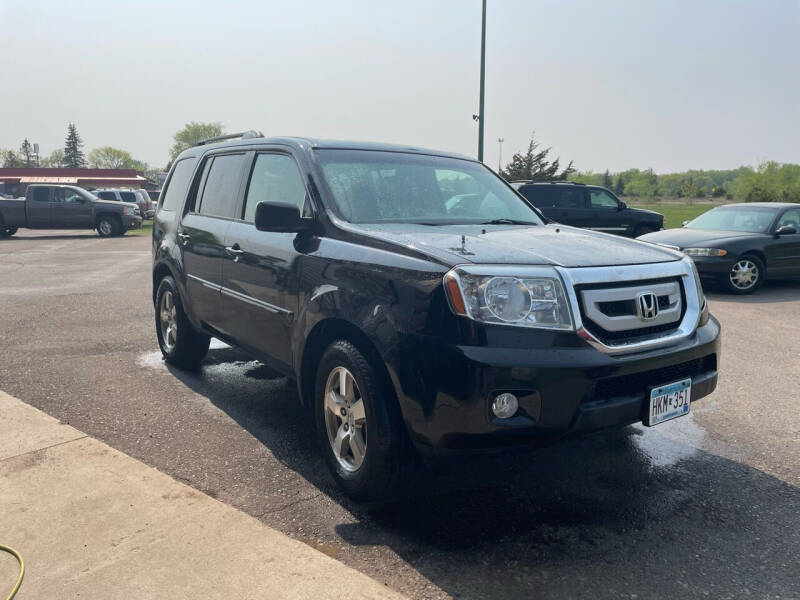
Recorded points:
(647, 306)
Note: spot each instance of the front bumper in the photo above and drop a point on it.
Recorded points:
(565, 387)
(713, 267)
(131, 222)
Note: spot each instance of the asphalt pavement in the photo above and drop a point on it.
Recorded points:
(706, 506)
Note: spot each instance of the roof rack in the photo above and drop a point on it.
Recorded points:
(244, 135)
(567, 181)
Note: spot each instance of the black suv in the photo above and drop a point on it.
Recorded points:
(589, 206)
(423, 307)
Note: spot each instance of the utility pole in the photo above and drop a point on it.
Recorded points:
(500, 158)
(483, 73)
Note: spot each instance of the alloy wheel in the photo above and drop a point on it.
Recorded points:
(744, 274)
(345, 419)
(105, 227)
(168, 316)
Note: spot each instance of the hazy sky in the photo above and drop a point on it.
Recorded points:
(669, 85)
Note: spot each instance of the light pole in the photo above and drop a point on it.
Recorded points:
(483, 73)
(500, 158)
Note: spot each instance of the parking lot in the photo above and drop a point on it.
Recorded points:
(703, 506)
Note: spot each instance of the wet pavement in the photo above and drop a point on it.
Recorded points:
(706, 506)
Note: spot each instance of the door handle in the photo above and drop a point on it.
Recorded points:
(234, 250)
(184, 238)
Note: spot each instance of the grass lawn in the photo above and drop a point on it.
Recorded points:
(675, 213)
(147, 229)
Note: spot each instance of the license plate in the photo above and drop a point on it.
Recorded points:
(669, 401)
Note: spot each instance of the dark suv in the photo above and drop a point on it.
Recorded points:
(589, 206)
(422, 306)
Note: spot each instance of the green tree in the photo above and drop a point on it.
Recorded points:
(55, 160)
(26, 153)
(534, 166)
(192, 133)
(607, 183)
(10, 159)
(107, 157)
(73, 155)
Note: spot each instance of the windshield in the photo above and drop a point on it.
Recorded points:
(393, 187)
(752, 219)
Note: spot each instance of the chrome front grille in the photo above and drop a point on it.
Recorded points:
(604, 304)
(619, 309)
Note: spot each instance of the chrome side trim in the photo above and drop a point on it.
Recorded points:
(632, 273)
(608, 228)
(205, 283)
(256, 302)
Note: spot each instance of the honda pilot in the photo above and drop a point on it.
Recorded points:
(422, 306)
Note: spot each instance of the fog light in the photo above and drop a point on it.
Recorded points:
(505, 405)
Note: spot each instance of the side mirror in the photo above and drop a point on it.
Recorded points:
(786, 230)
(621, 205)
(280, 217)
(684, 224)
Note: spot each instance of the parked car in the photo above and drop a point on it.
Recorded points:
(66, 207)
(740, 245)
(415, 326)
(590, 207)
(135, 196)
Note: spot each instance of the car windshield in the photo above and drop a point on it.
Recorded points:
(752, 219)
(395, 187)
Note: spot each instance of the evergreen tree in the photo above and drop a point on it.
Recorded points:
(73, 155)
(10, 159)
(26, 153)
(534, 166)
(607, 182)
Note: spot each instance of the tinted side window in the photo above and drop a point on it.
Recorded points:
(177, 184)
(569, 198)
(790, 217)
(539, 196)
(106, 195)
(222, 185)
(275, 178)
(41, 194)
(128, 196)
(602, 199)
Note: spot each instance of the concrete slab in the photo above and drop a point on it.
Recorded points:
(92, 522)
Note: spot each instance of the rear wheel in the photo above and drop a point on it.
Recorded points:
(180, 344)
(358, 424)
(108, 226)
(746, 275)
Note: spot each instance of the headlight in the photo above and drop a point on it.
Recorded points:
(520, 296)
(701, 297)
(704, 252)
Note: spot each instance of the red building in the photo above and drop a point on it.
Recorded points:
(16, 180)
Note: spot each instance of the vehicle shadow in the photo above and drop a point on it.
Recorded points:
(77, 236)
(632, 511)
(771, 292)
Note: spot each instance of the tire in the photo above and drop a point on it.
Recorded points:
(643, 229)
(746, 275)
(107, 226)
(377, 423)
(7, 231)
(180, 344)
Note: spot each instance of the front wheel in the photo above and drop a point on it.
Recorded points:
(746, 275)
(180, 344)
(107, 226)
(358, 424)
(643, 229)
(7, 231)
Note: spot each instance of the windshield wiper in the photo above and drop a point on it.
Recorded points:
(507, 222)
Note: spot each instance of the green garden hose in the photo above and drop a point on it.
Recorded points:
(18, 556)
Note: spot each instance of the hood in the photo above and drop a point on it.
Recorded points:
(112, 203)
(688, 238)
(644, 211)
(552, 244)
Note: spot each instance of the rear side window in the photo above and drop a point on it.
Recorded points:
(222, 186)
(178, 184)
(128, 196)
(106, 195)
(41, 194)
(569, 198)
(275, 178)
(539, 196)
